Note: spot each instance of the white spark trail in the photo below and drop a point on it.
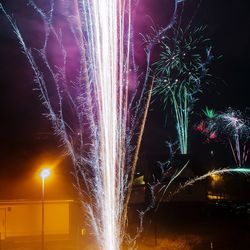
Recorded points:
(110, 73)
(93, 112)
(238, 170)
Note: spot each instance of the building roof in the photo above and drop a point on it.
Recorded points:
(25, 201)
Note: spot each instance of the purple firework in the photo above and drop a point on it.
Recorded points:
(235, 127)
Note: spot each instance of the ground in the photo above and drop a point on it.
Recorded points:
(172, 227)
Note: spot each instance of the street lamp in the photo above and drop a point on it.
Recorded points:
(44, 174)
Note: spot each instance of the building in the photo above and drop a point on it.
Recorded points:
(23, 218)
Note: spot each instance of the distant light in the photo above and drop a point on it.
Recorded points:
(217, 197)
(45, 173)
(83, 231)
(139, 180)
(216, 177)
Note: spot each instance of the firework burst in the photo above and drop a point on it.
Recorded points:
(183, 65)
(233, 126)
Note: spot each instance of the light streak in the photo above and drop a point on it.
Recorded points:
(94, 114)
(160, 191)
(244, 171)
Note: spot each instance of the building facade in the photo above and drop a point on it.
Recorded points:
(23, 218)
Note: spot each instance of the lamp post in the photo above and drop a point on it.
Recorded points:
(44, 174)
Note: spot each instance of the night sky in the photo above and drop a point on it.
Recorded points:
(26, 139)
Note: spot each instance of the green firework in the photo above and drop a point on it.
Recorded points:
(180, 72)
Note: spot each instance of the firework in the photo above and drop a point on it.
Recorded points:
(233, 126)
(183, 64)
(94, 113)
(160, 189)
(242, 171)
(203, 125)
(209, 113)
